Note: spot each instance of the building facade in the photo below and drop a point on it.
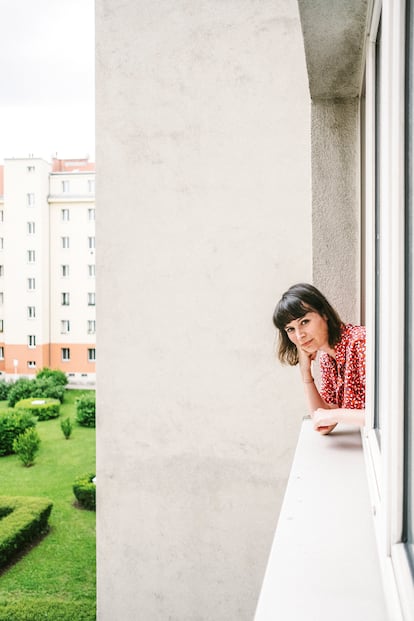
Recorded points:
(47, 267)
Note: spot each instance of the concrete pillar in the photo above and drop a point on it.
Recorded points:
(203, 220)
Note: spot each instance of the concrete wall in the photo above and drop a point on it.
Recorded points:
(203, 189)
(336, 203)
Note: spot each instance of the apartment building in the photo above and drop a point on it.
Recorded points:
(47, 267)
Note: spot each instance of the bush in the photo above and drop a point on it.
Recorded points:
(44, 387)
(66, 427)
(85, 491)
(26, 446)
(43, 409)
(24, 519)
(57, 376)
(21, 389)
(85, 410)
(47, 388)
(12, 424)
(4, 389)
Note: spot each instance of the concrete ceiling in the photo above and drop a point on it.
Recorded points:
(334, 38)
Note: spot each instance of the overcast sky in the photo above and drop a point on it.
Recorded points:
(47, 78)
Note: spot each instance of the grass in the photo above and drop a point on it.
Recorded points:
(55, 580)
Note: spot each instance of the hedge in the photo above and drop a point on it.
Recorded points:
(12, 424)
(43, 409)
(25, 519)
(86, 410)
(47, 608)
(85, 491)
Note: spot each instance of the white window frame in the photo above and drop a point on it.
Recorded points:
(385, 462)
(31, 341)
(91, 214)
(64, 326)
(65, 242)
(91, 356)
(31, 228)
(1, 353)
(91, 326)
(65, 186)
(31, 283)
(91, 186)
(91, 298)
(65, 354)
(31, 312)
(31, 256)
(64, 270)
(91, 243)
(30, 199)
(65, 214)
(91, 270)
(65, 298)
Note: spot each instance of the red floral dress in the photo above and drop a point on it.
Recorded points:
(343, 377)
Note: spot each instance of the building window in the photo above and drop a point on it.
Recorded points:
(30, 197)
(31, 228)
(1, 215)
(65, 186)
(64, 326)
(1, 270)
(91, 243)
(65, 242)
(64, 270)
(65, 298)
(1, 325)
(91, 354)
(31, 340)
(91, 214)
(1, 298)
(31, 364)
(31, 312)
(91, 185)
(91, 326)
(31, 256)
(91, 271)
(65, 351)
(1, 243)
(30, 169)
(31, 284)
(65, 214)
(1, 353)
(91, 299)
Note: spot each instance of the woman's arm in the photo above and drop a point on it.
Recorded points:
(323, 417)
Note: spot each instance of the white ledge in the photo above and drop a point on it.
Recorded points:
(324, 563)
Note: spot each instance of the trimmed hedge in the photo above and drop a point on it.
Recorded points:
(46, 385)
(12, 424)
(86, 410)
(85, 491)
(47, 608)
(43, 409)
(25, 519)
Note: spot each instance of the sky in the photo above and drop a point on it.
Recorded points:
(47, 78)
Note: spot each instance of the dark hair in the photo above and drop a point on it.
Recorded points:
(295, 303)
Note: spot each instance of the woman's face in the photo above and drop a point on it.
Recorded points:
(309, 332)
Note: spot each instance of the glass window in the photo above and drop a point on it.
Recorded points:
(65, 214)
(65, 186)
(1, 353)
(91, 299)
(91, 214)
(91, 326)
(31, 256)
(31, 228)
(31, 340)
(408, 534)
(65, 351)
(64, 326)
(91, 355)
(91, 242)
(30, 197)
(31, 312)
(91, 270)
(31, 364)
(64, 270)
(91, 185)
(31, 284)
(65, 298)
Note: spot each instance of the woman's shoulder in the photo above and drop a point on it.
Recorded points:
(352, 334)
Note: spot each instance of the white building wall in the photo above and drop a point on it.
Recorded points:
(203, 166)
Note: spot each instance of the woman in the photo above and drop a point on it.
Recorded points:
(308, 324)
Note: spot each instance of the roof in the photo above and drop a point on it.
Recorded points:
(73, 165)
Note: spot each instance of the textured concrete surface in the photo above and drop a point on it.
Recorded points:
(203, 220)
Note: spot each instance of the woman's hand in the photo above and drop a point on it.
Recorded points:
(305, 362)
(324, 420)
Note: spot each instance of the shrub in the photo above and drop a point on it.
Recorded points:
(85, 410)
(26, 446)
(66, 427)
(57, 376)
(84, 489)
(43, 409)
(4, 389)
(12, 424)
(24, 519)
(46, 387)
(21, 389)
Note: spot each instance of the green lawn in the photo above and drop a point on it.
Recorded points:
(56, 579)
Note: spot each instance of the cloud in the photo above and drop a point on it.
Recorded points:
(47, 68)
